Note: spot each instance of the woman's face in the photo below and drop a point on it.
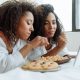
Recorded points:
(25, 26)
(50, 25)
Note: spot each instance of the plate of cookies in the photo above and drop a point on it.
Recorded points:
(46, 64)
(59, 59)
(41, 65)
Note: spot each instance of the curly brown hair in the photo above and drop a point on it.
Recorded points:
(42, 12)
(10, 15)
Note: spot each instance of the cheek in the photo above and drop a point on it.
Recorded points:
(23, 29)
(45, 31)
(55, 26)
(20, 32)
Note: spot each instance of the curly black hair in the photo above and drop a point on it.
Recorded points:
(10, 15)
(42, 12)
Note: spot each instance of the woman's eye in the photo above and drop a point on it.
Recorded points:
(29, 22)
(54, 22)
(45, 23)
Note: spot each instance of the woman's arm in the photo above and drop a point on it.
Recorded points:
(36, 42)
(17, 58)
(60, 45)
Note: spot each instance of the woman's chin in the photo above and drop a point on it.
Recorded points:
(24, 38)
(50, 36)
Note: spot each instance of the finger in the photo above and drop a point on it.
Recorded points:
(44, 41)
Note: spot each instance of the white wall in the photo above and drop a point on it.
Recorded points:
(73, 40)
(63, 9)
(77, 14)
(1, 1)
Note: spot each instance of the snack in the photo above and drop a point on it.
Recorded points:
(46, 63)
(58, 59)
(40, 64)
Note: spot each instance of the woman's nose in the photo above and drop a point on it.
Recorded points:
(51, 26)
(32, 28)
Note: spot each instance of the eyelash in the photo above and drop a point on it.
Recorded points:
(29, 23)
(47, 23)
(54, 22)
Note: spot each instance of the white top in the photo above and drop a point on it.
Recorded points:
(11, 61)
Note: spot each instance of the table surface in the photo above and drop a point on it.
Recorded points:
(67, 72)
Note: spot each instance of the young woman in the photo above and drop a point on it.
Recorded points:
(49, 26)
(16, 25)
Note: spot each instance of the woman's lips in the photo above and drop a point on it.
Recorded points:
(51, 32)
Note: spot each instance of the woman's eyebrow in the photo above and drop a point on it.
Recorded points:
(30, 20)
(54, 20)
(48, 20)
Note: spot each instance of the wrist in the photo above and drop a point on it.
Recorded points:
(30, 46)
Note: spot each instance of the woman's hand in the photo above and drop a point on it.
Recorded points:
(62, 40)
(39, 41)
(60, 45)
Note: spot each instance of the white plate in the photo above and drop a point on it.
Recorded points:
(49, 70)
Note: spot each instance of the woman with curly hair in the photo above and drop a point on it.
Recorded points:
(49, 26)
(16, 25)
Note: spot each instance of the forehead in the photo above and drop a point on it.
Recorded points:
(28, 14)
(51, 16)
